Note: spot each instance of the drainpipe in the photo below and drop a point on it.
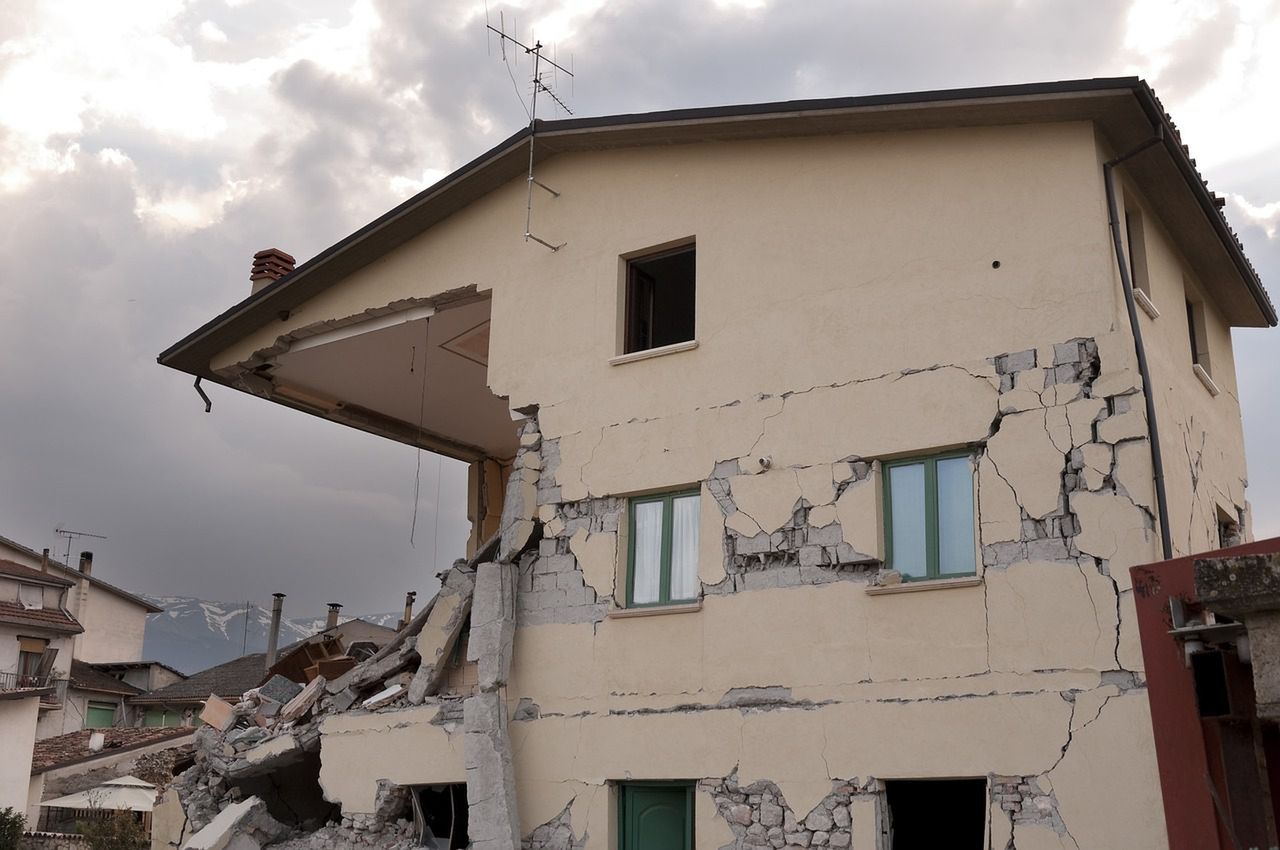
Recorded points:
(274, 637)
(1157, 462)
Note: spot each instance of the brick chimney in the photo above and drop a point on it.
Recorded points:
(332, 619)
(86, 563)
(269, 266)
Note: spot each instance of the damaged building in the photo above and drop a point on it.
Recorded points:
(806, 476)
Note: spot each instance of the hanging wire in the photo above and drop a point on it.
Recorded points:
(422, 413)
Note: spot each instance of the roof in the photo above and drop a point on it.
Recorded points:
(87, 677)
(135, 665)
(128, 793)
(73, 748)
(76, 575)
(13, 569)
(52, 619)
(1125, 108)
(229, 680)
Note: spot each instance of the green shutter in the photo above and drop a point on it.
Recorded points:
(656, 816)
(100, 715)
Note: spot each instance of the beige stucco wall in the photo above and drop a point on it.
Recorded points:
(113, 627)
(18, 732)
(847, 305)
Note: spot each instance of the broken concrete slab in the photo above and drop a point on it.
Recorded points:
(383, 697)
(218, 713)
(279, 689)
(440, 632)
(245, 825)
(266, 757)
(302, 703)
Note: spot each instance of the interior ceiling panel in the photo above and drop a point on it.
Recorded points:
(383, 371)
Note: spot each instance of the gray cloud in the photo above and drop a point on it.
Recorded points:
(255, 498)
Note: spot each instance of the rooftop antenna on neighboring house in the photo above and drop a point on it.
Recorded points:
(72, 535)
(539, 86)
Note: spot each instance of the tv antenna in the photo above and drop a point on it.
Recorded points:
(71, 535)
(539, 86)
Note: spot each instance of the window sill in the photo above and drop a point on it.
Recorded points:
(654, 610)
(927, 584)
(1144, 301)
(1209, 383)
(653, 352)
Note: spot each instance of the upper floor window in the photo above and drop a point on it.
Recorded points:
(1137, 250)
(662, 554)
(928, 507)
(659, 300)
(1197, 336)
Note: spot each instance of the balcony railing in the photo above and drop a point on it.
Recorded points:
(12, 681)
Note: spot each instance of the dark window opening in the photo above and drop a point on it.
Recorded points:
(1212, 694)
(929, 813)
(660, 300)
(440, 813)
(1137, 252)
(1191, 332)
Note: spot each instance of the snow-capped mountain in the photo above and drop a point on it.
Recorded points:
(195, 634)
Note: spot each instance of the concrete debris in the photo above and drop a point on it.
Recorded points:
(279, 689)
(383, 697)
(302, 703)
(217, 713)
(440, 632)
(491, 790)
(245, 825)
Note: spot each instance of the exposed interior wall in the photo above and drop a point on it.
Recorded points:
(18, 731)
(486, 484)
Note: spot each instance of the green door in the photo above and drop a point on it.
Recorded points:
(656, 816)
(100, 715)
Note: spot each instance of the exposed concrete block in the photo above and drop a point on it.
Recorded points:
(493, 820)
(493, 623)
(597, 555)
(245, 825)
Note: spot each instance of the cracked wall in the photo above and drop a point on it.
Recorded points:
(893, 335)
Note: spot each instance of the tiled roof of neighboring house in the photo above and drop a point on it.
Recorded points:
(134, 665)
(13, 569)
(228, 681)
(85, 677)
(63, 750)
(53, 619)
(93, 580)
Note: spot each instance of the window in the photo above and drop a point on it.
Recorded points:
(659, 300)
(32, 665)
(662, 551)
(928, 813)
(100, 715)
(655, 816)
(1137, 251)
(928, 507)
(1196, 335)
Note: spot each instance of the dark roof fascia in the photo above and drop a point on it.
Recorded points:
(71, 628)
(94, 580)
(28, 575)
(301, 277)
(1205, 198)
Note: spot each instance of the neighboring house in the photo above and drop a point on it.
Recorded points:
(114, 619)
(19, 713)
(78, 761)
(835, 440)
(37, 635)
(179, 703)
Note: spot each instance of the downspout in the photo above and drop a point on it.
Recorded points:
(1157, 462)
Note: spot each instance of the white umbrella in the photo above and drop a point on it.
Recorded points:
(128, 793)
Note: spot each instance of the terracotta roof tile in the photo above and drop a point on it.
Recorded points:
(62, 750)
(228, 681)
(86, 677)
(54, 619)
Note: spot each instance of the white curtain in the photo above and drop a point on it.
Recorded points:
(684, 548)
(648, 560)
(31, 596)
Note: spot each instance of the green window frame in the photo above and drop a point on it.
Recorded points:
(930, 521)
(664, 574)
(632, 799)
(99, 715)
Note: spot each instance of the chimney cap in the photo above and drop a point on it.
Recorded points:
(334, 605)
(278, 595)
(271, 264)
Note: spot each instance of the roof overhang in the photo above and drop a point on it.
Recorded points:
(1124, 109)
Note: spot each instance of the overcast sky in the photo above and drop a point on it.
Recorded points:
(148, 149)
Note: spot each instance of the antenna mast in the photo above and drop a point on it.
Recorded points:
(539, 86)
(71, 535)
